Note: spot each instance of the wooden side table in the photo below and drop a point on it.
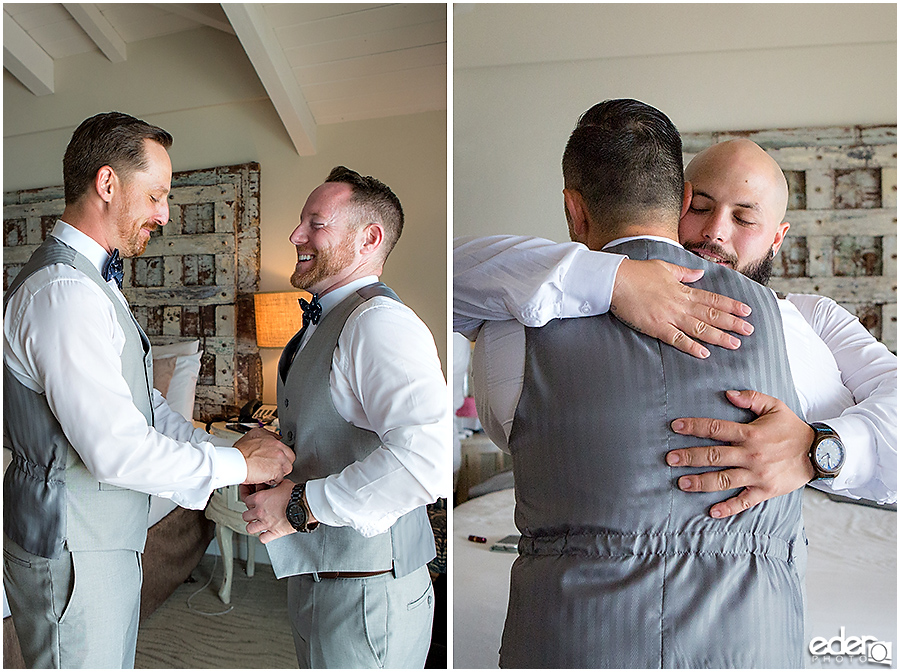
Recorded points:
(225, 509)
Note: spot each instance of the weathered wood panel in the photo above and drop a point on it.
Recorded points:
(843, 214)
(195, 280)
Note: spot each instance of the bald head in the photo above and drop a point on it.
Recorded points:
(743, 161)
(739, 200)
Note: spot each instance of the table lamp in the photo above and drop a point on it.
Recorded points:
(278, 317)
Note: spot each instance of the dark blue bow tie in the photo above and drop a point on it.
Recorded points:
(312, 311)
(113, 270)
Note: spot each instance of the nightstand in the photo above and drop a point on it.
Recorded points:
(480, 460)
(225, 509)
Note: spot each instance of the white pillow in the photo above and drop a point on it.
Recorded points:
(183, 384)
(175, 371)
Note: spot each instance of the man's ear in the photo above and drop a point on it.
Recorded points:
(780, 233)
(688, 195)
(372, 237)
(577, 210)
(106, 182)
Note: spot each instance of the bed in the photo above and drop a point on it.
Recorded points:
(851, 581)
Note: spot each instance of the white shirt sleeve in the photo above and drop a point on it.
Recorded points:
(62, 338)
(387, 378)
(869, 428)
(531, 280)
(498, 367)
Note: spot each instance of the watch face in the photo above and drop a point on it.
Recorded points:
(295, 514)
(829, 454)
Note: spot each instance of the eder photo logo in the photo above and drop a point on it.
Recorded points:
(865, 649)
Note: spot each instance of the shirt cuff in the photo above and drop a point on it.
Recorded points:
(859, 459)
(231, 467)
(588, 284)
(319, 506)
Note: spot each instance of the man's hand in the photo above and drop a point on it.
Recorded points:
(268, 459)
(767, 457)
(649, 297)
(265, 514)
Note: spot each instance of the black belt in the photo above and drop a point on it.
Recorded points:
(350, 575)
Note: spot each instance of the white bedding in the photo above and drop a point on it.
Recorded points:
(851, 581)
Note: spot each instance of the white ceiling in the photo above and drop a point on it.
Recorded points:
(319, 63)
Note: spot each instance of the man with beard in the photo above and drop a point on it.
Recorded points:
(616, 568)
(90, 437)
(845, 378)
(362, 399)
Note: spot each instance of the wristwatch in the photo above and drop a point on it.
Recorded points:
(826, 452)
(297, 511)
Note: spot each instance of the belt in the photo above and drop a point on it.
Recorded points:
(351, 575)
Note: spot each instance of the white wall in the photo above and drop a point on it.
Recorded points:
(201, 87)
(524, 73)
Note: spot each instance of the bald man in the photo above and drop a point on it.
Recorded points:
(737, 208)
(845, 378)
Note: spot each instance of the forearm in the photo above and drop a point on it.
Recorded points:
(77, 362)
(369, 496)
(173, 425)
(531, 280)
(869, 427)
(869, 433)
(121, 450)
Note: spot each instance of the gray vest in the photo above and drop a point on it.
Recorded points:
(618, 567)
(325, 444)
(51, 501)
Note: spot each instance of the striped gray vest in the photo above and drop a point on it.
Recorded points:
(617, 566)
(324, 444)
(51, 502)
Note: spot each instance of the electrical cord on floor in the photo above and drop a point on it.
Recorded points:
(205, 586)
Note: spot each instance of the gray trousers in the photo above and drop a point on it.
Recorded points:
(373, 622)
(79, 610)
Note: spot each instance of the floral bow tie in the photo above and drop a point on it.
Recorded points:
(312, 311)
(113, 270)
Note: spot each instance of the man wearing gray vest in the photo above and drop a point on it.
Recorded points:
(362, 399)
(845, 379)
(617, 567)
(90, 438)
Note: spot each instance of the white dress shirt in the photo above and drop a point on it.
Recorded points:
(386, 378)
(843, 376)
(62, 338)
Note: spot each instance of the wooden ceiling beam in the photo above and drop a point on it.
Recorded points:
(25, 59)
(262, 47)
(99, 29)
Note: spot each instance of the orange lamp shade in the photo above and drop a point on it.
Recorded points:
(278, 317)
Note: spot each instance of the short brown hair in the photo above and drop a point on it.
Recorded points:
(109, 139)
(375, 201)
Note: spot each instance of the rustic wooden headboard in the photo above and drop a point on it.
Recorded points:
(196, 279)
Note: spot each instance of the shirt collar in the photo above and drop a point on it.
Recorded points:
(660, 239)
(334, 297)
(82, 243)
